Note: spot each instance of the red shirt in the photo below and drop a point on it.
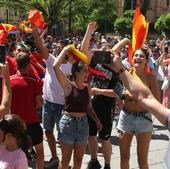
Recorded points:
(25, 88)
(13, 67)
(38, 58)
(35, 62)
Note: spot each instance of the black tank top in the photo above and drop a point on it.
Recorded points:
(77, 101)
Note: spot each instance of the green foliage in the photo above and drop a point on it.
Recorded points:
(49, 8)
(128, 14)
(163, 24)
(84, 11)
(123, 25)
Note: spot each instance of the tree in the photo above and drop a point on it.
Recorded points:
(163, 24)
(49, 8)
(123, 25)
(84, 11)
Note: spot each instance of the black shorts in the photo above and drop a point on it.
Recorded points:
(35, 131)
(105, 115)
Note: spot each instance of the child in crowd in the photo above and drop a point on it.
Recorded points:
(14, 143)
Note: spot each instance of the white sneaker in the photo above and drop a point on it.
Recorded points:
(51, 163)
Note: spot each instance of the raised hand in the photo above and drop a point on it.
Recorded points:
(92, 26)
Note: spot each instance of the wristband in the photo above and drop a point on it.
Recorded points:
(121, 71)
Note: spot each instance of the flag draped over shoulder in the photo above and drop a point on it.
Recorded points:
(35, 17)
(139, 32)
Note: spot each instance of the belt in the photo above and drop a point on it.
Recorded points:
(76, 118)
(137, 114)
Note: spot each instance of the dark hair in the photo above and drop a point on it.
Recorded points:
(145, 51)
(14, 125)
(30, 42)
(22, 60)
(77, 67)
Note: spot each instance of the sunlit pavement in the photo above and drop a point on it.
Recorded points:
(158, 147)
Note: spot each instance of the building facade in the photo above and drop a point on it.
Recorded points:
(155, 9)
(9, 16)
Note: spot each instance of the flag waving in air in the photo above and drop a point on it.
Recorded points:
(3, 37)
(24, 27)
(35, 17)
(139, 31)
(4, 29)
(7, 27)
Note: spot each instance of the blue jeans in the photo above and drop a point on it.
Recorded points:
(73, 131)
(52, 113)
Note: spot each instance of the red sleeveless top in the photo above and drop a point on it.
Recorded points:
(78, 100)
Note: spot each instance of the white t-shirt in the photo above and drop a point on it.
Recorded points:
(52, 90)
(12, 159)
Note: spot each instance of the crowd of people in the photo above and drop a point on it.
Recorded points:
(43, 83)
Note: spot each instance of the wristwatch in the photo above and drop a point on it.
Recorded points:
(121, 71)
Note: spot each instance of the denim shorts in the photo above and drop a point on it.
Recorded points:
(73, 130)
(52, 113)
(134, 124)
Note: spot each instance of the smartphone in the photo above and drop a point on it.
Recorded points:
(103, 57)
(2, 53)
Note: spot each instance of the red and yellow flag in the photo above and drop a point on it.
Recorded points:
(24, 27)
(139, 32)
(76, 54)
(35, 17)
(3, 37)
(7, 27)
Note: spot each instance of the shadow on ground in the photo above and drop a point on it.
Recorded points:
(160, 137)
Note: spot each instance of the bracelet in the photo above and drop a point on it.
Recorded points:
(121, 71)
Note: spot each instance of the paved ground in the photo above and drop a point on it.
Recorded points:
(157, 150)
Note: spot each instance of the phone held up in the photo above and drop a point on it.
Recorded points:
(102, 57)
(2, 53)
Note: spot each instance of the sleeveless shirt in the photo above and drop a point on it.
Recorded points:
(77, 101)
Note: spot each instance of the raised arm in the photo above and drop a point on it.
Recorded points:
(63, 80)
(6, 94)
(85, 47)
(120, 45)
(39, 43)
(141, 92)
(105, 92)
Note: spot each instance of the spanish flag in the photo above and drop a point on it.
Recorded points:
(139, 32)
(35, 17)
(76, 54)
(3, 37)
(24, 27)
(7, 27)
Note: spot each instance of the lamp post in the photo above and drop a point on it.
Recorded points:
(7, 15)
(69, 18)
